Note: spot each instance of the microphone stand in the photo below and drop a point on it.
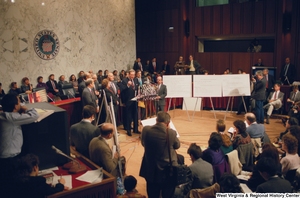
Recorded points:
(70, 93)
(50, 98)
(73, 166)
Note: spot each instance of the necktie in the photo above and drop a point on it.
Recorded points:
(132, 84)
(286, 69)
(275, 95)
(53, 85)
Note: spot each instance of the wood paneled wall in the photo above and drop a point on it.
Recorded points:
(250, 19)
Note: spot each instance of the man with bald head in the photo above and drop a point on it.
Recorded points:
(101, 153)
(161, 94)
(114, 89)
(254, 129)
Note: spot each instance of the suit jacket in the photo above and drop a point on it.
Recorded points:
(137, 67)
(151, 68)
(81, 87)
(81, 134)
(162, 92)
(259, 64)
(89, 97)
(166, 68)
(109, 93)
(202, 176)
(127, 93)
(101, 154)
(296, 97)
(155, 160)
(51, 88)
(275, 185)
(259, 91)
(291, 73)
(280, 97)
(256, 130)
(197, 66)
(270, 82)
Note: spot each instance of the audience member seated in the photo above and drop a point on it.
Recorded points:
(83, 132)
(274, 183)
(52, 85)
(73, 80)
(226, 137)
(61, 81)
(270, 151)
(295, 131)
(291, 162)
(290, 122)
(228, 183)
(242, 142)
(130, 184)
(101, 153)
(293, 99)
(29, 184)
(26, 87)
(14, 89)
(202, 173)
(274, 101)
(41, 84)
(2, 93)
(254, 129)
(214, 155)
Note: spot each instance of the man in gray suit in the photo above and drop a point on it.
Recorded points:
(88, 95)
(293, 99)
(259, 95)
(156, 156)
(83, 132)
(100, 152)
(161, 95)
(274, 101)
(202, 173)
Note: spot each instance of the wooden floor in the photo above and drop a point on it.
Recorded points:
(195, 130)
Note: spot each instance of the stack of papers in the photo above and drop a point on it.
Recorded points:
(92, 176)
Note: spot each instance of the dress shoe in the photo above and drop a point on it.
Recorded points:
(129, 133)
(138, 132)
(238, 113)
(267, 120)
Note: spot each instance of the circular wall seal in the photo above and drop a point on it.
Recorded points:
(46, 44)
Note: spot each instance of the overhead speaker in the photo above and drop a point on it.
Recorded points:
(187, 27)
(286, 22)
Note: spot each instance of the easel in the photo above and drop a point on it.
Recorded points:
(231, 98)
(111, 114)
(170, 101)
(201, 108)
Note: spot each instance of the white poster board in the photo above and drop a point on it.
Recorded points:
(236, 85)
(207, 85)
(152, 121)
(178, 86)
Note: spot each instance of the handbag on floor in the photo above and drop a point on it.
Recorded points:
(177, 174)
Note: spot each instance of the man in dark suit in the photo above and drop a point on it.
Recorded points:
(259, 95)
(288, 72)
(88, 95)
(275, 99)
(138, 65)
(270, 81)
(161, 95)
(154, 69)
(155, 160)
(129, 90)
(84, 131)
(259, 62)
(274, 184)
(82, 85)
(165, 68)
(193, 66)
(52, 85)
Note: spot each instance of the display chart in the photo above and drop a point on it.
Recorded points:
(178, 86)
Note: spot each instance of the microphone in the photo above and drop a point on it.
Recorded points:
(50, 98)
(71, 94)
(73, 168)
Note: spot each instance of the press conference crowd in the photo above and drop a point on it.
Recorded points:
(271, 165)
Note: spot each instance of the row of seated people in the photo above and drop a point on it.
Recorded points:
(227, 152)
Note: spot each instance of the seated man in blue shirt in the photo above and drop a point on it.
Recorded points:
(11, 138)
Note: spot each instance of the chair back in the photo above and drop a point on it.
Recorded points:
(245, 152)
(68, 90)
(234, 162)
